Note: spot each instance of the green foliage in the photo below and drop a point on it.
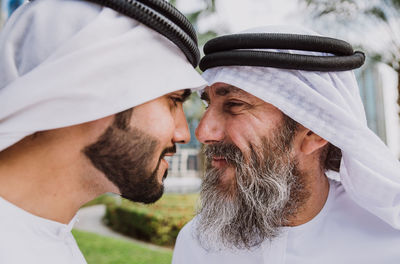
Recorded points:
(384, 13)
(377, 12)
(203, 38)
(194, 108)
(210, 8)
(173, 2)
(158, 223)
(103, 199)
(193, 17)
(211, 5)
(104, 250)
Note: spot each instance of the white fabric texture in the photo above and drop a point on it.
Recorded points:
(342, 232)
(66, 62)
(329, 104)
(27, 238)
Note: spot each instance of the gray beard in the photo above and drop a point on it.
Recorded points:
(260, 199)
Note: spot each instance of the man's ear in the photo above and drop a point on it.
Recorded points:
(311, 142)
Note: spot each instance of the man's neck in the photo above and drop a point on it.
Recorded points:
(41, 184)
(318, 189)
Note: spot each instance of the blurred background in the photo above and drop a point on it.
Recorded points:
(113, 230)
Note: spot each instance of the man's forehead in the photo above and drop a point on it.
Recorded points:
(223, 89)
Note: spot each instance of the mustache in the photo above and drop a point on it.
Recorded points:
(229, 151)
(168, 150)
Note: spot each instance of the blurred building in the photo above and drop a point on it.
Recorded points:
(185, 166)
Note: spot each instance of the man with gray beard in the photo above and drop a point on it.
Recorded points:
(266, 192)
(287, 176)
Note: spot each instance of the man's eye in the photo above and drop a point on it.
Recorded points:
(233, 106)
(176, 100)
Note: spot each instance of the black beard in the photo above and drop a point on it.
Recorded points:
(263, 195)
(123, 155)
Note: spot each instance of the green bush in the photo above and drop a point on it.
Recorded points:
(105, 250)
(102, 199)
(158, 223)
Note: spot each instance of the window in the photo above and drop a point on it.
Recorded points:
(192, 163)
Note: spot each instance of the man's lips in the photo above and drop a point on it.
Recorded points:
(166, 164)
(168, 152)
(163, 160)
(219, 162)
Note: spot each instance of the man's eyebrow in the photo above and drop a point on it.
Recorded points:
(204, 96)
(229, 89)
(186, 94)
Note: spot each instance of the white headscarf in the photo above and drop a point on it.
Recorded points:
(66, 62)
(329, 104)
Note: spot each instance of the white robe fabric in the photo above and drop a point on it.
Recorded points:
(27, 238)
(329, 104)
(342, 232)
(66, 62)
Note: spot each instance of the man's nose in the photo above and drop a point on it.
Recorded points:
(181, 133)
(210, 129)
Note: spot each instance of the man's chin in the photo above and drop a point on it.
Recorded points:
(146, 198)
(161, 177)
(155, 197)
(226, 179)
(148, 190)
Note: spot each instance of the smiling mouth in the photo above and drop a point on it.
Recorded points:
(167, 152)
(167, 157)
(219, 162)
(166, 164)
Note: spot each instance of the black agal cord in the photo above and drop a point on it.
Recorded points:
(248, 50)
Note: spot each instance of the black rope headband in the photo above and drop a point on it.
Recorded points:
(233, 50)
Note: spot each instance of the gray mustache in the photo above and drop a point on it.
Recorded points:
(229, 151)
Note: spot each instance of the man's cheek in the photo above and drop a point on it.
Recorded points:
(242, 143)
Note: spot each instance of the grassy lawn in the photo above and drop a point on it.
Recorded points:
(104, 250)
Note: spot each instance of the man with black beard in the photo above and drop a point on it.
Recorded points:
(274, 140)
(90, 103)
